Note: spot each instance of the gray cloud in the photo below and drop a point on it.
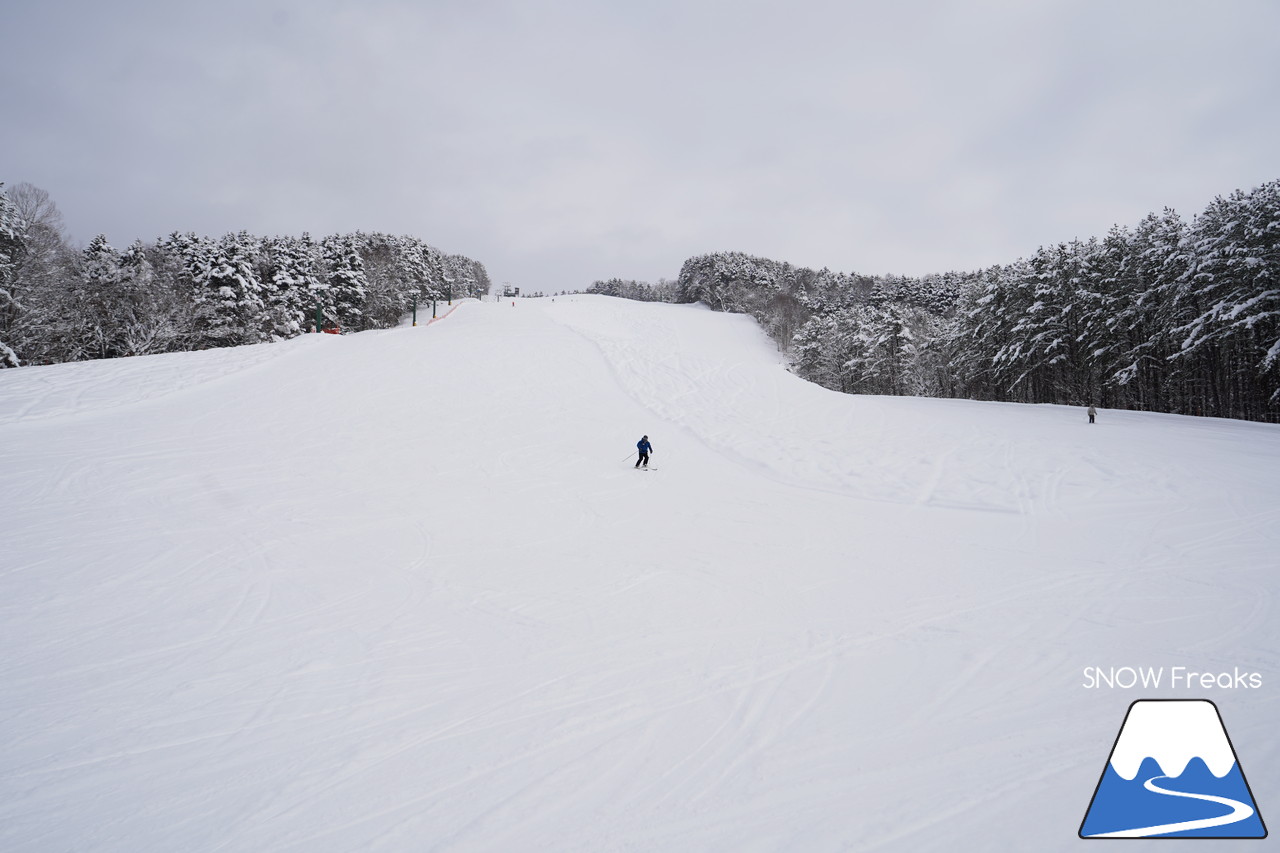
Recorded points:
(560, 142)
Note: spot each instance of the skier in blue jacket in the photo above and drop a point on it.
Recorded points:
(645, 449)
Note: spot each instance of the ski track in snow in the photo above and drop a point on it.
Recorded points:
(1239, 811)
(400, 591)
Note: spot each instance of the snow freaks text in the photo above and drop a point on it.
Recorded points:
(1173, 677)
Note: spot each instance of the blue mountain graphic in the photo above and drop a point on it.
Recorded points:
(1121, 804)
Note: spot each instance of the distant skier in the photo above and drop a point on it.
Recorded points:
(645, 449)
(1093, 413)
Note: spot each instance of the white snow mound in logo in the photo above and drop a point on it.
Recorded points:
(1172, 733)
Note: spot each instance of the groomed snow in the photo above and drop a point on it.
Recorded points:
(402, 591)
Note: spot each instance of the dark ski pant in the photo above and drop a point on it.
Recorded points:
(644, 457)
(1091, 417)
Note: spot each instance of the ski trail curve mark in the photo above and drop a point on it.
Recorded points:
(1239, 811)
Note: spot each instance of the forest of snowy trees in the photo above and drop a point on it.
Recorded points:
(641, 291)
(186, 292)
(1167, 316)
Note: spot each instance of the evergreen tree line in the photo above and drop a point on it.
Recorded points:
(1167, 316)
(185, 292)
(641, 291)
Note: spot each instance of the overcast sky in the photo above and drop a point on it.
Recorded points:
(562, 142)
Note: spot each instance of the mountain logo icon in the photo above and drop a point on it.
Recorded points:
(1172, 773)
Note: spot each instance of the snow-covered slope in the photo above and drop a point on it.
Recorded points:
(403, 591)
(1172, 733)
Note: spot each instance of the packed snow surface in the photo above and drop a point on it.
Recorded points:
(403, 590)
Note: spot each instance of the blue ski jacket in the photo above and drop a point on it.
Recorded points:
(644, 446)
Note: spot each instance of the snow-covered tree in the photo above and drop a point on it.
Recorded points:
(1232, 288)
(41, 271)
(157, 319)
(10, 245)
(230, 292)
(100, 310)
(344, 275)
(293, 285)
